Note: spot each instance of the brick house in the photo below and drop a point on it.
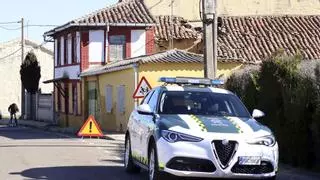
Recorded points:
(111, 34)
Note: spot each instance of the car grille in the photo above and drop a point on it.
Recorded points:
(224, 151)
(265, 167)
(191, 164)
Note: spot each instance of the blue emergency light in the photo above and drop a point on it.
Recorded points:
(191, 81)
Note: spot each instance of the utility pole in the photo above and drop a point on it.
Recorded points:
(22, 59)
(209, 19)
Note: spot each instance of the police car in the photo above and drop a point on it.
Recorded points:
(190, 128)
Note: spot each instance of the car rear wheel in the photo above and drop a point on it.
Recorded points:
(128, 162)
(154, 173)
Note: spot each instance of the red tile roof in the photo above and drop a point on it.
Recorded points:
(126, 13)
(178, 28)
(170, 56)
(256, 38)
(133, 11)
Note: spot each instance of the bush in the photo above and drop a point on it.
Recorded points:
(287, 90)
(244, 84)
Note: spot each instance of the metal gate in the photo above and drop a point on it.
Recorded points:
(44, 107)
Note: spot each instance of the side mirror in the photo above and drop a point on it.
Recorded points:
(257, 113)
(145, 109)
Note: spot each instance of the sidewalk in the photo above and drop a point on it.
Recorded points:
(54, 128)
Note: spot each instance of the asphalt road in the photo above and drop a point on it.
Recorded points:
(35, 154)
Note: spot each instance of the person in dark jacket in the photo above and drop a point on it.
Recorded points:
(13, 109)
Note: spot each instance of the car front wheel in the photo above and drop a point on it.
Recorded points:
(154, 173)
(128, 162)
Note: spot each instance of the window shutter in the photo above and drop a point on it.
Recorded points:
(108, 91)
(121, 99)
(117, 47)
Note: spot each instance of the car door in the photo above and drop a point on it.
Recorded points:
(135, 129)
(148, 124)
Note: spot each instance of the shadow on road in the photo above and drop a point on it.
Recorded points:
(21, 133)
(79, 173)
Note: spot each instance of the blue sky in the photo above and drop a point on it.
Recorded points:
(43, 12)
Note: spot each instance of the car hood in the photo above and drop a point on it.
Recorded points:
(212, 124)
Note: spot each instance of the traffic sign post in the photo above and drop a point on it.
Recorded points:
(142, 89)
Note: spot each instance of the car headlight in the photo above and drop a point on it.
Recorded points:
(172, 136)
(265, 140)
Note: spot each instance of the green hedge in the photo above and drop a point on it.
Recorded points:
(287, 90)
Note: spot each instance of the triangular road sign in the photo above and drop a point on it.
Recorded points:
(142, 89)
(90, 128)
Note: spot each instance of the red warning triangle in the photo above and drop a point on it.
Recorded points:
(142, 89)
(90, 128)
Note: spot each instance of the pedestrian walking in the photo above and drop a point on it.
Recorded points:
(13, 109)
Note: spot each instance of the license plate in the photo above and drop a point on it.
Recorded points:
(250, 160)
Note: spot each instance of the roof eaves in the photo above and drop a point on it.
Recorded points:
(106, 70)
(63, 27)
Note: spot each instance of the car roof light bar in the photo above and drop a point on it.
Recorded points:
(191, 81)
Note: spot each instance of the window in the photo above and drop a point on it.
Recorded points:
(75, 98)
(66, 50)
(74, 48)
(201, 103)
(153, 100)
(58, 94)
(121, 99)
(147, 98)
(117, 47)
(93, 99)
(58, 52)
(66, 98)
(108, 94)
(78, 47)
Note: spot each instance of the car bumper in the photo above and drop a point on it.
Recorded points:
(204, 150)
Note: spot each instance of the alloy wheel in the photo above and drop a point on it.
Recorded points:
(127, 153)
(151, 165)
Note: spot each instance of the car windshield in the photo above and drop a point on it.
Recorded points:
(201, 103)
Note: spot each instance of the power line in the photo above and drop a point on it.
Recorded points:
(12, 22)
(31, 25)
(41, 25)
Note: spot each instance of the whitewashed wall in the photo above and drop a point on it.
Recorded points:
(138, 43)
(69, 49)
(62, 50)
(71, 71)
(55, 52)
(10, 73)
(96, 46)
(78, 47)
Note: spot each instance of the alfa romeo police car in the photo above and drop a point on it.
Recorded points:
(189, 128)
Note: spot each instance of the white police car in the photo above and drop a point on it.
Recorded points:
(188, 128)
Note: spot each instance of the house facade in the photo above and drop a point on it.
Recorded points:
(10, 62)
(116, 82)
(111, 34)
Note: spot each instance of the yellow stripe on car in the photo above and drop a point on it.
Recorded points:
(161, 166)
(235, 124)
(199, 122)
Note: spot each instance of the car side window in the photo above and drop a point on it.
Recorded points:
(154, 100)
(147, 98)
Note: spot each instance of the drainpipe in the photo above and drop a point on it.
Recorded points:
(136, 79)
